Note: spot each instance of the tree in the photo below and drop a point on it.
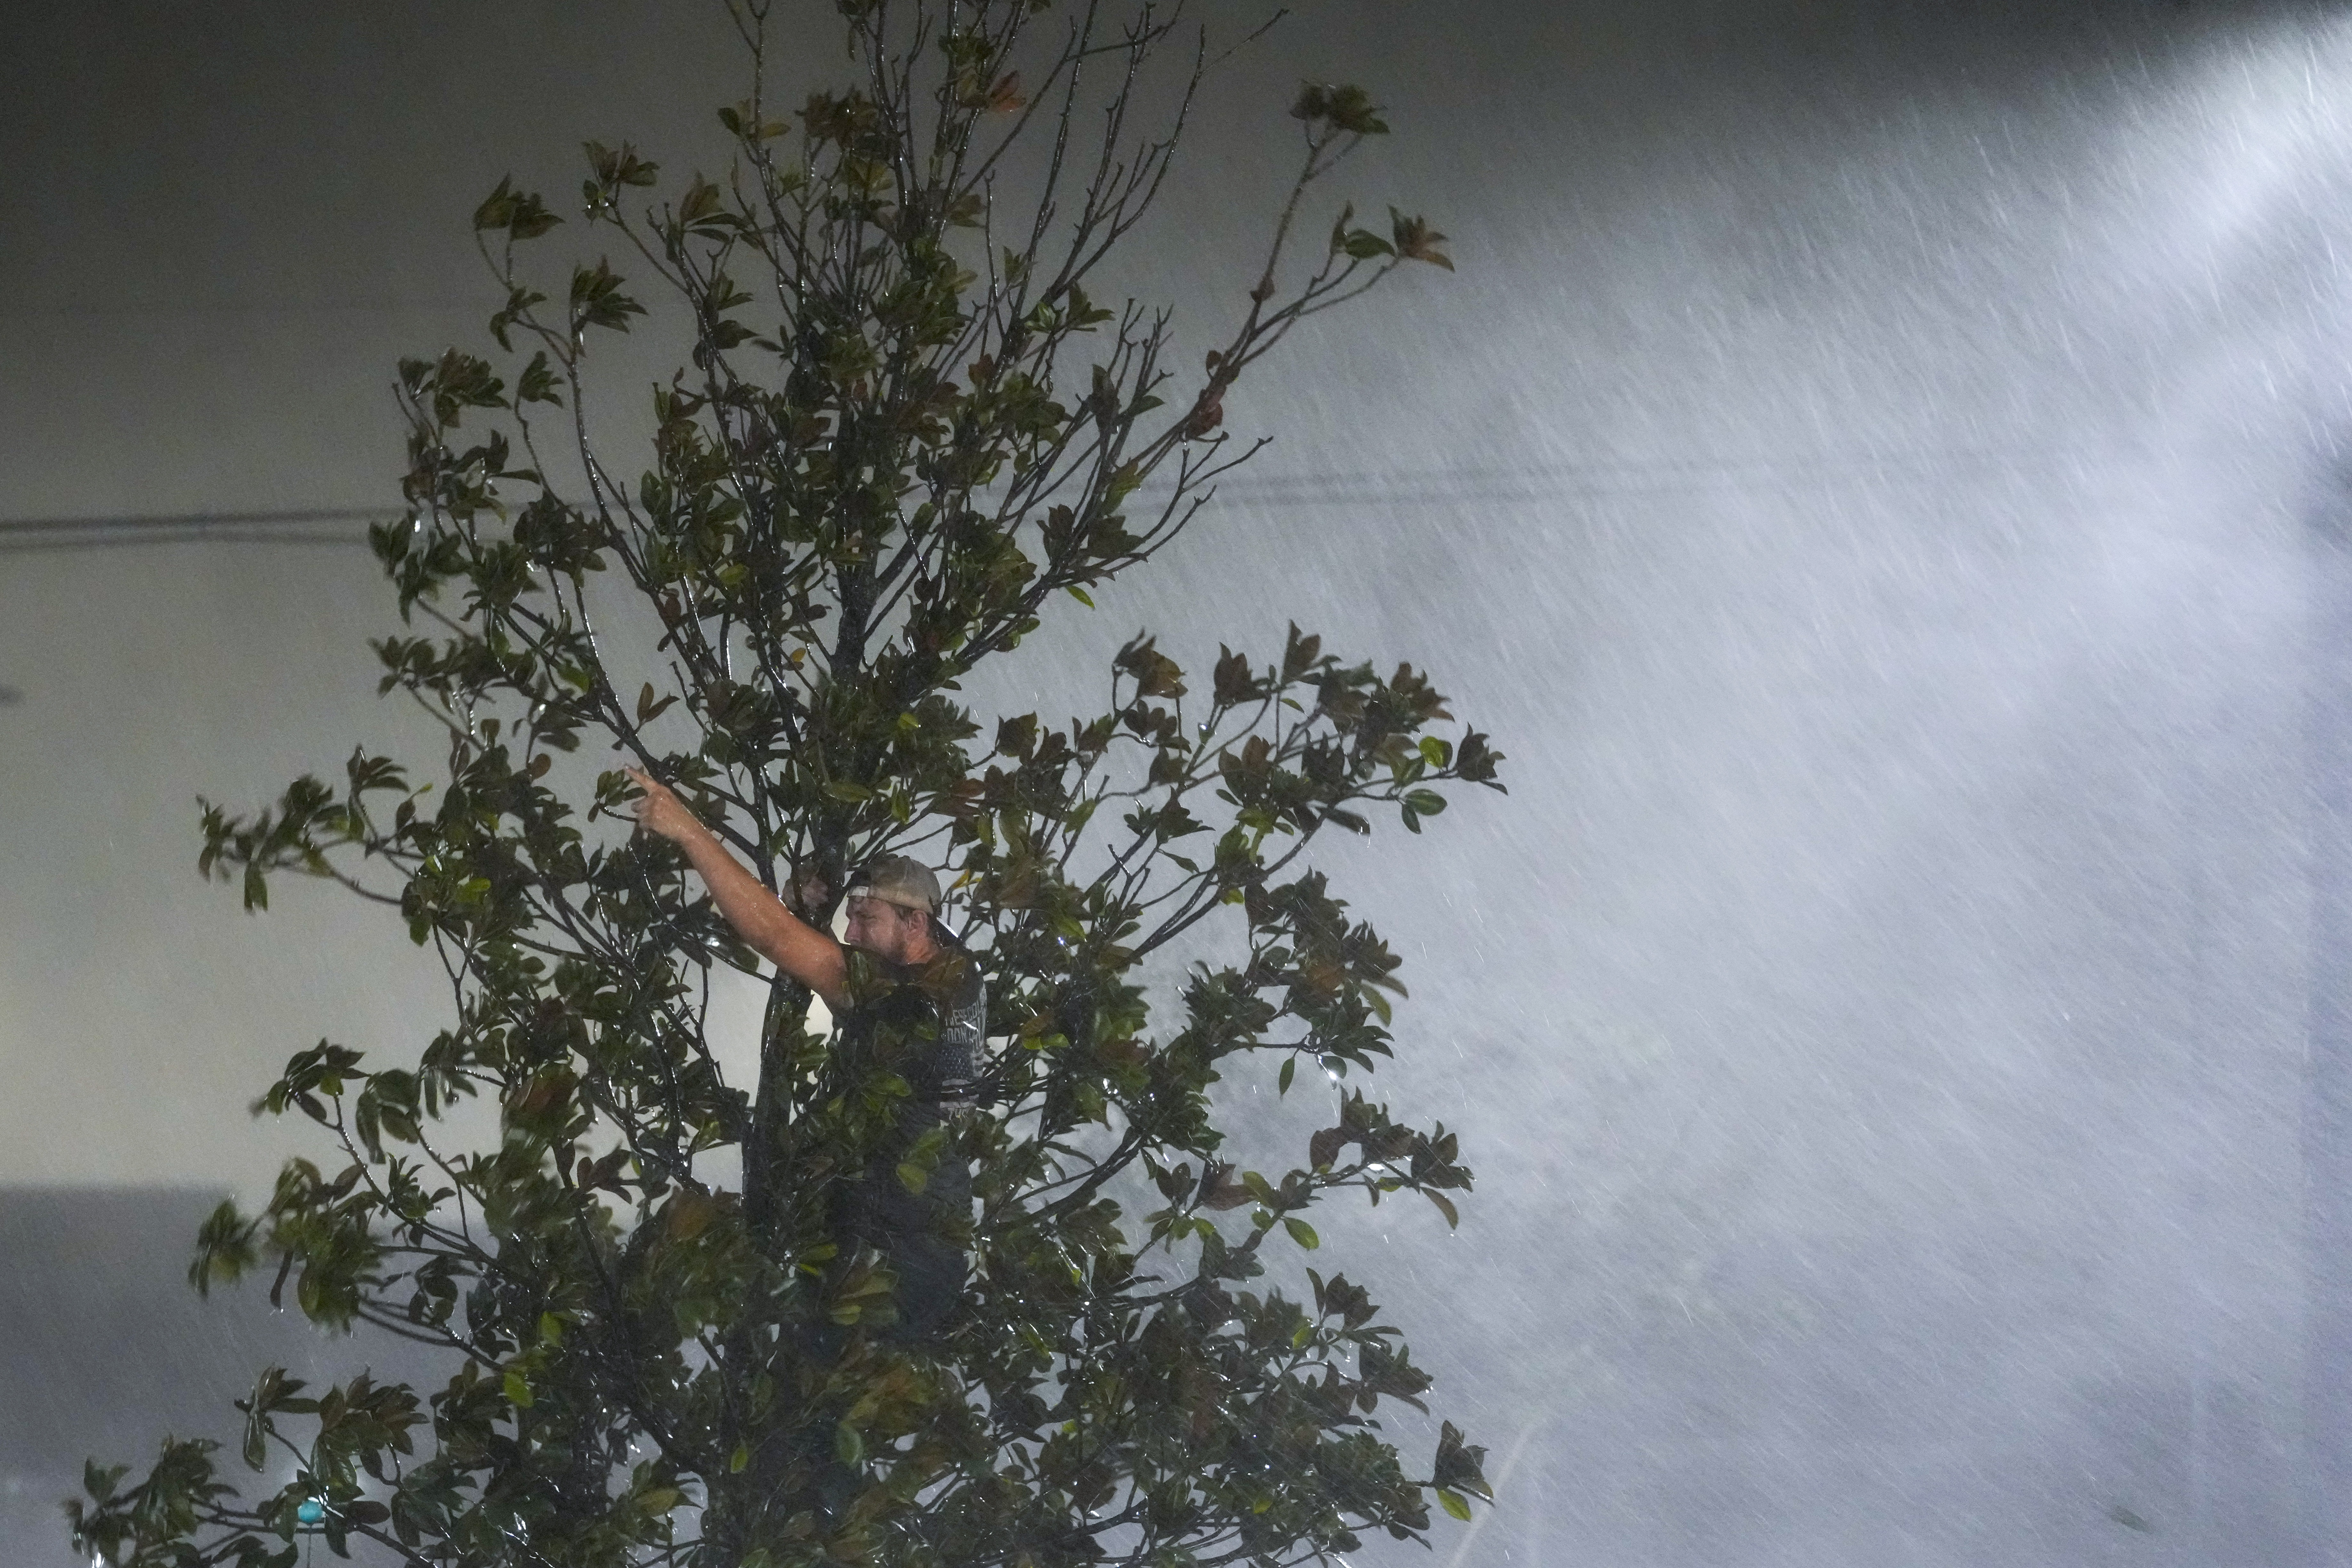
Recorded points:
(908, 434)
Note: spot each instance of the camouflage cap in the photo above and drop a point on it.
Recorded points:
(896, 879)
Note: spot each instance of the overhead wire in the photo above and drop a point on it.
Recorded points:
(26, 535)
(1436, 488)
(1507, 484)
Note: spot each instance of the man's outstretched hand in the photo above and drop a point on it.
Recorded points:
(772, 931)
(660, 810)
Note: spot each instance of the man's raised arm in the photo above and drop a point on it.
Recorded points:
(759, 917)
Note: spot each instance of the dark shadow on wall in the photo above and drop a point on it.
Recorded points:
(108, 1349)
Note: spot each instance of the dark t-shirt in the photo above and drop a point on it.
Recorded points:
(924, 1024)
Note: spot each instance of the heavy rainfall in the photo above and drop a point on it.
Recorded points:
(1882, 471)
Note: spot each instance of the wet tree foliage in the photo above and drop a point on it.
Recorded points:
(908, 434)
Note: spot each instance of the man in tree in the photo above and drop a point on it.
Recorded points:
(910, 1006)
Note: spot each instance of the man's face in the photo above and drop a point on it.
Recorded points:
(885, 930)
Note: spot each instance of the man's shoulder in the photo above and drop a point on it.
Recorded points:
(869, 978)
(949, 976)
(954, 965)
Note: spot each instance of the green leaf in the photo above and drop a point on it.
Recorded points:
(1289, 1071)
(737, 1460)
(99, 1480)
(1416, 241)
(1340, 229)
(498, 207)
(649, 708)
(538, 382)
(1455, 1503)
(597, 300)
(1301, 1232)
